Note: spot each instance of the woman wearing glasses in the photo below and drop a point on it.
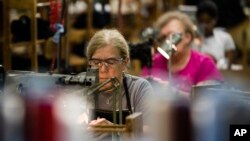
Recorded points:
(188, 67)
(108, 51)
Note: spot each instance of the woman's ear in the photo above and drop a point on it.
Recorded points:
(126, 63)
(188, 38)
(127, 60)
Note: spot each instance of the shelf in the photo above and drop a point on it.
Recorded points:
(19, 4)
(43, 4)
(28, 5)
(26, 43)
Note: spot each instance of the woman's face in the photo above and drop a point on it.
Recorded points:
(176, 26)
(109, 62)
(206, 24)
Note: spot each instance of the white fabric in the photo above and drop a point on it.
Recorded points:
(217, 45)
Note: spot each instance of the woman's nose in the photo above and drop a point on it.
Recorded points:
(103, 67)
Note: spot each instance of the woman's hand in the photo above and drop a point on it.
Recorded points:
(100, 121)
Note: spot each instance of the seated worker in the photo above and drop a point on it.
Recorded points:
(215, 42)
(109, 51)
(188, 67)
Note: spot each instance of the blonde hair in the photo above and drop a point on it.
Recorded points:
(182, 17)
(106, 37)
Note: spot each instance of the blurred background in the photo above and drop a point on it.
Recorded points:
(27, 35)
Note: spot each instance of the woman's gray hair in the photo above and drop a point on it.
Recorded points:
(106, 37)
(169, 16)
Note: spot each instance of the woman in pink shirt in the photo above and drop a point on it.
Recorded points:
(188, 67)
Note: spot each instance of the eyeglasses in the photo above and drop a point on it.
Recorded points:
(171, 36)
(110, 62)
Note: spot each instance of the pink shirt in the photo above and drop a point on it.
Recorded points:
(199, 68)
